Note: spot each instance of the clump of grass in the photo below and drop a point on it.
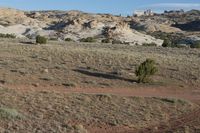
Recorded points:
(69, 40)
(107, 40)
(53, 39)
(7, 113)
(149, 44)
(7, 35)
(88, 39)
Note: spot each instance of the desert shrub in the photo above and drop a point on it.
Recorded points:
(88, 39)
(149, 44)
(145, 70)
(68, 39)
(53, 39)
(106, 40)
(170, 39)
(167, 43)
(195, 45)
(7, 35)
(41, 39)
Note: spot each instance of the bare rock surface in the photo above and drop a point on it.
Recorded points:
(70, 24)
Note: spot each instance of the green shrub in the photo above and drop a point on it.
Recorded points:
(145, 70)
(195, 45)
(68, 40)
(88, 39)
(41, 39)
(167, 43)
(106, 41)
(149, 44)
(7, 35)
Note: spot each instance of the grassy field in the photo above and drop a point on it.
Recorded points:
(45, 111)
(94, 65)
(90, 65)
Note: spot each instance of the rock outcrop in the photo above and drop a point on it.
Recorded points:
(71, 24)
(153, 26)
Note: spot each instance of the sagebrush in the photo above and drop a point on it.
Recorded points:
(41, 39)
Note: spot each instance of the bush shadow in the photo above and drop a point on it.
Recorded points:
(102, 75)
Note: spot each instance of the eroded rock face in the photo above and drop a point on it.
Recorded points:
(152, 26)
(11, 16)
(125, 34)
(71, 24)
(34, 15)
(91, 24)
(112, 31)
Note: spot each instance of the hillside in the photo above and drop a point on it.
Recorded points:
(71, 24)
(76, 25)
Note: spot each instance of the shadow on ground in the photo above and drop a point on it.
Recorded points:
(27, 42)
(102, 75)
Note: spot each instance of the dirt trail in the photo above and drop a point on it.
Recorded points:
(168, 92)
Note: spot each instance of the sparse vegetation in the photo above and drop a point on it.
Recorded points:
(103, 66)
(41, 39)
(195, 44)
(53, 39)
(170, 39)
(149, 44)
(7, 113)
(121, 56)
(7, 35)
(88, 39)
(68, 40)
(106, 40)
(167, 43)
(145, 70)
(116, 42)
(83, 107)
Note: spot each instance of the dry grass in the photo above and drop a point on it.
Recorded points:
(7, 113)
(55, 112)
(93, 65)
(89, 65)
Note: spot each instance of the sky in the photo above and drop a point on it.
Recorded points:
(124, 7)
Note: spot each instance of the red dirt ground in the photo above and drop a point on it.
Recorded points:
(192, 95)
(168, 92)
